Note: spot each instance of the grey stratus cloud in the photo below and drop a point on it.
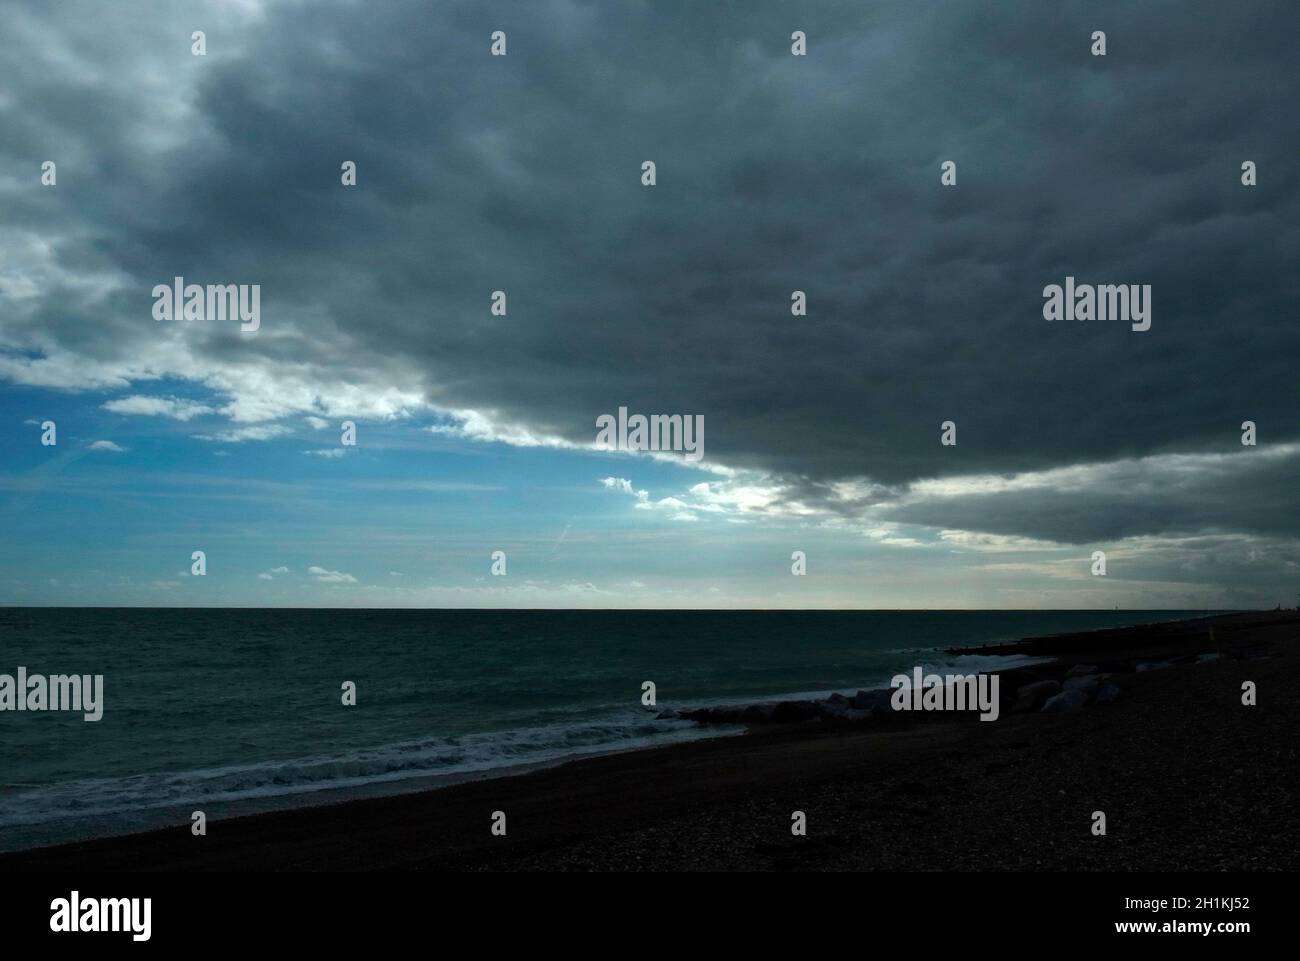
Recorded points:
(776, 173)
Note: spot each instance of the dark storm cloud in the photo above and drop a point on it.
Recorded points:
(775, 173)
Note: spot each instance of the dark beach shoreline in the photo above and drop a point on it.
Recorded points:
(1189, 779)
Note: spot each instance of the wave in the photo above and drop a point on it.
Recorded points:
(432, 757)
(109, 805)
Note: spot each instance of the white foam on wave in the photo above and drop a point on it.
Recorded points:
(464, 754)
(619, 728)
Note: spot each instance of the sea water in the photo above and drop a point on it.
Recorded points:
(232, 711)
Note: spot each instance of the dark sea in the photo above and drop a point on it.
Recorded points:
(236, 711)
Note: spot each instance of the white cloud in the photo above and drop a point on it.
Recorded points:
(585, 587)
(736, 497)
(1156, 470)
(238, 434)
(624, 485)
(995, 543)
(330, 577)
(107, 445)
(483, 426)
(173, 407)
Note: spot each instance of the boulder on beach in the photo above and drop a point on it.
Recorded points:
(845, 711)
(1070, 700)
(872, 700)
(714, 715)
(1087, 684)
(757, 713)
(794, 711)
(1108, 693)
(834, 708)
(1032, 696)
(1080, 669)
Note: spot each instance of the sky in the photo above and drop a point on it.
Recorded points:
(774, 173)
